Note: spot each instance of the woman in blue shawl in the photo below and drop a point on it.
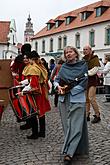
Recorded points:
(71, 84)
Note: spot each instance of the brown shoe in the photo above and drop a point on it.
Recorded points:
(96, 119)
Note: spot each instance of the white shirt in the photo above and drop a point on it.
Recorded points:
(106, 73)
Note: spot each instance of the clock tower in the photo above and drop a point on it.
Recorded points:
(28, 33)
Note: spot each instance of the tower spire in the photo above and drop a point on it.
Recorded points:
(28, 33)
(29, 18)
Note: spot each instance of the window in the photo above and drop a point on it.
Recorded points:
(43, 46)
(91, 38)
(49, 26)
(59, 43)
(51, 45)
(64, 41)
(107, 36)
(68, 20)
(77, 40)
(36, 46)
(84, 16)
(98, 11)
(56, 24)
(13, 40)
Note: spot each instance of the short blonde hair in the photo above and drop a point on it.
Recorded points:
(74, 49)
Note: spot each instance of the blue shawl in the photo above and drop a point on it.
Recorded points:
(70, 72)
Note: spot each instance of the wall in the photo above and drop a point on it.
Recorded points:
(100, 49)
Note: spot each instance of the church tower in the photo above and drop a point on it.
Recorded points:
(28, 33)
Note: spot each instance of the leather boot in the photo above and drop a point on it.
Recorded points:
(34, 125)
(96, 119)
(42, 126)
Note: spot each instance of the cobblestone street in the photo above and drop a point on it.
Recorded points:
(16, 149)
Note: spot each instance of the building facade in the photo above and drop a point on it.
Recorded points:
(87, 25)
(8, 39)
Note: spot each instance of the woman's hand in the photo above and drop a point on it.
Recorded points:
(19, 83)
(61, 90)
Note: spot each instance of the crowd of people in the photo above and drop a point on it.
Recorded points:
(74, 80)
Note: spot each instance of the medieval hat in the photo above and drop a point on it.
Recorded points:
(34, 55)
(26, 49)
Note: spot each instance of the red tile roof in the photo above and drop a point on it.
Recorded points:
(87, 8)
(59, 18)
(77, 22)
(4, 31)
(103, 3)
(51, 21)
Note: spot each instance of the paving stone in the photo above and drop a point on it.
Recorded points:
(16, 149)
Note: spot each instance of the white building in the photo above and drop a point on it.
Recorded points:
(8, 39)
(87, 25)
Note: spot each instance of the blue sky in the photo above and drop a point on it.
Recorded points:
(40, 10)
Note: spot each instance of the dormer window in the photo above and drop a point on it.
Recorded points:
(48, 26)
(100, 10)
(68, 20)
(58, 23)
(85, 15)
